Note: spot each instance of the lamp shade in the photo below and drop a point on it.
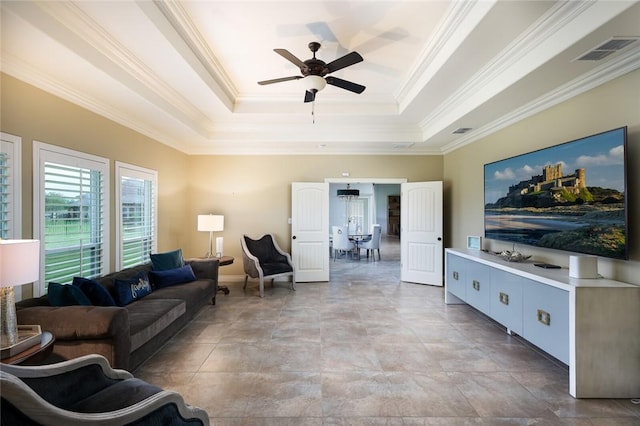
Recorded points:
(210, 222)
(19, 262)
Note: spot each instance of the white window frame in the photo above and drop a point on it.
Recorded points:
(12, 145)
(43, 153)
(132, 171)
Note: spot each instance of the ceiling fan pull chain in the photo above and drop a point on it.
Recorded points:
(313, 114)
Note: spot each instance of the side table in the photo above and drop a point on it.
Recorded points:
(225, 260)
(35, 354)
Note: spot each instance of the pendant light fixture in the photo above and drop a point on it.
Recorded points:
(348, 193)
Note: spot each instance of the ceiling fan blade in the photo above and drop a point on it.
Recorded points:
(345, 61)
(322, 30)
(290, 57)
(344, 84)
(279, 80)
(309, 96)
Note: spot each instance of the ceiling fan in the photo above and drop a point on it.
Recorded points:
(314, 71)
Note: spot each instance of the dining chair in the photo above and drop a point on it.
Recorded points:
(341, 242)
(374, 243)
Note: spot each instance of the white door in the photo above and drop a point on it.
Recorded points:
(309, 231)
(421, 232)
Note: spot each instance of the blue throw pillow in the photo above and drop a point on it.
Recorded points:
(98, 295)
(172, 277)
(131, 289)
(166, 261)
(66, 295)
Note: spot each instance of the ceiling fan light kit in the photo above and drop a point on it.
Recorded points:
(314, 83)
(314, 71)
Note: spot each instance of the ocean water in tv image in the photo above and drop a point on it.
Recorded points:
(567, 197)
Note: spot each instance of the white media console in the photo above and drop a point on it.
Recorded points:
(592, 325)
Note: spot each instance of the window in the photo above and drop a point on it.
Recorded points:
(70, 214)
(10, 188)
(11, 191)
(136, 219)
(358, 216)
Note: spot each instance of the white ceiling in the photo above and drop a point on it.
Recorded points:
(185, 73)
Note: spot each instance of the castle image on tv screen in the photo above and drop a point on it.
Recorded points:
(566, 197)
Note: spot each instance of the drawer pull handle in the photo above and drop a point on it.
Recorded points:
(504, 298)
(455, 275)
(544, 317)
(476, 285)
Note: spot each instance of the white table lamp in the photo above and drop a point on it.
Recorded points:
(19, 264)
(212, 223)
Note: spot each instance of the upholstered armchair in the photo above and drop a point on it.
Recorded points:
(263, 258)
(87, 391)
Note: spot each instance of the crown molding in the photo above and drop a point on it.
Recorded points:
(298, 149)
(617, 67)
(212, 71)
(13, 66)
(508, 66)
(460, 20)
(129, 69)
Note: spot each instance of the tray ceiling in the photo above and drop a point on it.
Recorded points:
(185, 73)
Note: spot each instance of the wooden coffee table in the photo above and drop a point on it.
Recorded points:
(35, 354)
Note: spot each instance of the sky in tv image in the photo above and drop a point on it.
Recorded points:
(602, 157)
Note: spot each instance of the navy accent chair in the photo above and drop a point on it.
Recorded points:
(87, 391)
(263, 258)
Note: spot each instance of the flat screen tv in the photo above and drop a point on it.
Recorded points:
(569, 197)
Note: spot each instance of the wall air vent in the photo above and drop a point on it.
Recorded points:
(607, 48)
(461, 130)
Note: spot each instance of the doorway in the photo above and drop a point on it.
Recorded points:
(421, 239)
(374, 205)
(371, 207)
(347, 271)
(372, 201)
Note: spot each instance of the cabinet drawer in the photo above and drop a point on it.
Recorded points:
(506, 299)
(456, 267)
(546, 318)
(478, 280)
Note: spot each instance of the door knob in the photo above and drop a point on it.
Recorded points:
(294, 237)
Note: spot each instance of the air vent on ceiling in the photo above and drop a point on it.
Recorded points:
(607, 48)
(461, 130)
(403, 145)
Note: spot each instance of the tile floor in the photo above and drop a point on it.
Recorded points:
(365, 349)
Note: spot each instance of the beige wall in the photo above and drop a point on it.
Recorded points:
(254, 193)
(606, 107)
(33, 114)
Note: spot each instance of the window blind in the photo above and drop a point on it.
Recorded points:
(5, 195)
(73, 223)
(138, 220)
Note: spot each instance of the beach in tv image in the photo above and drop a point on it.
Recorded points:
(566, 197)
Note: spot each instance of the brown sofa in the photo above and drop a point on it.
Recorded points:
(127, 335)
